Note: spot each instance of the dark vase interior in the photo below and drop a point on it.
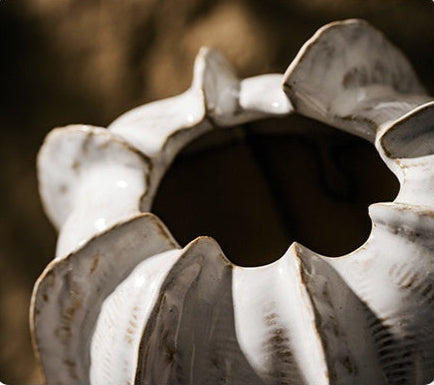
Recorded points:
(257, 188)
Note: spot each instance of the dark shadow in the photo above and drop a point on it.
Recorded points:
(256, 193)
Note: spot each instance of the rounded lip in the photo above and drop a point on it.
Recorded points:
(206, 62)
(211, 73)
(89, 136)
(381, 136)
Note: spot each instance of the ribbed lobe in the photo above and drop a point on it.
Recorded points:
(275, 323)
(122, 319)
(190, 335)
(393, 274)
(68, 296)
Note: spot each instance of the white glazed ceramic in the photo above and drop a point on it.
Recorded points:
(123, 303)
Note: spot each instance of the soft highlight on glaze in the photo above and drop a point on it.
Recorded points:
(123, 302)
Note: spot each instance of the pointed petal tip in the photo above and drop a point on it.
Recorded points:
(339, 75)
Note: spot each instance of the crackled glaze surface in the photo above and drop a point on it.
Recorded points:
(123, 303)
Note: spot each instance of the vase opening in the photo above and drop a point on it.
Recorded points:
(258, 187)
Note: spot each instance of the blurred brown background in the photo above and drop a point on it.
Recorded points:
(87, 61)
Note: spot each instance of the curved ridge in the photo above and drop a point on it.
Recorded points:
(124, 314)
(412, 135)
(390, 108)
(413, 164)
(393, 275)
(371, 310)
(172, 350)
(350, 76)
(361, 318)
(68, 295)
(66, 156)
(276, 323)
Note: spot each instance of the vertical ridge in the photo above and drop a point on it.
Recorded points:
(190, 336)
(275, 323)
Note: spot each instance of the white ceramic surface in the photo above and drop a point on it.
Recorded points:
(123, 303)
